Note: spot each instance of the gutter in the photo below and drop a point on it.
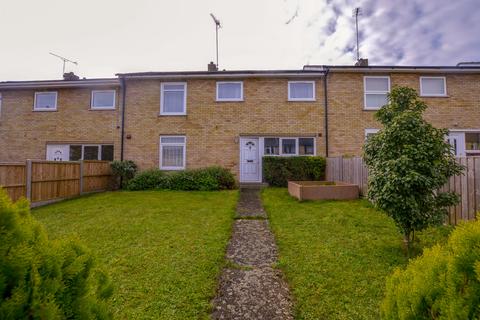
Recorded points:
(122, 136)
(219, 75)
(58, 84)
(325, 94)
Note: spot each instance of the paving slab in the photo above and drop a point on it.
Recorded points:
(252, 244)
(260, 293)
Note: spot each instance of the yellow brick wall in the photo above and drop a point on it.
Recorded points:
(213, 128)
(348, 119)
(24, 133)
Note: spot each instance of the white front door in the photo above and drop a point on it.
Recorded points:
(457, 141)
(58, 152)
(249, 160)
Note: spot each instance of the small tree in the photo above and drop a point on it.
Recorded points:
(123, 171)
(408, 161)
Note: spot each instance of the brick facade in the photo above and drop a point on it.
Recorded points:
(24, 133)
(212, 128)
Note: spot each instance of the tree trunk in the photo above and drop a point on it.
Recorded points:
(407, 241)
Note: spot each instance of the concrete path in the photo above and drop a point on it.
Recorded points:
(250, 287)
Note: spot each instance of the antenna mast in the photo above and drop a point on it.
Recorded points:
(217, 26)
(65, 60)
(356, 12)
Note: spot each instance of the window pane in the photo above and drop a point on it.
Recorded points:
(172, 156)
(90, 153)
(305, 146)
(271, 146)
(433, 86)
(376, 84)
(107, 152)
(288, 146)
(103, 99)
(375, 100)
(230, 91)
(75, 152)
(173, 87)
(46, 100)
(301, 90)
(472, 140)
(173, 101)
(173, 140)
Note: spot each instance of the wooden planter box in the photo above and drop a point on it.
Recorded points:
(322, 190)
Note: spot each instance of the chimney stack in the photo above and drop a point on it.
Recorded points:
(212, 67)
(70, 76)
(361, 63)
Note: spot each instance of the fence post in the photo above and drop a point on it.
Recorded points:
(81, 176)
(28, 181)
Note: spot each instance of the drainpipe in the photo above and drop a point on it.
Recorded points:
(325, 94)
(122, 141)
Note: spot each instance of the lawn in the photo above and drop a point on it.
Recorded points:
(336, 254)
(163, 249)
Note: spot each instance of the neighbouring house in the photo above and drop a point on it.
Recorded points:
(178, 120)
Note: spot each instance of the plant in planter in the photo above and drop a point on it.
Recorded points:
(409, 161)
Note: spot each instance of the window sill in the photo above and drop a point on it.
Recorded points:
(371, 109)
(301, 100)
(171, 169)
(436, 96)
(230, 100)
(172, 115)
(102, 109)
(45, 110)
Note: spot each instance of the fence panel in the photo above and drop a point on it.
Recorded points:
(467, 185)
(97, 176)
(12, 179)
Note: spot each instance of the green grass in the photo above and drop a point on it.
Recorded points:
(163, 249)
(337, 254)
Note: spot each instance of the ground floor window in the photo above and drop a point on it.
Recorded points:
(76, 152)
(465, 143)
(370, 132)
(172, 152)
(288, 146)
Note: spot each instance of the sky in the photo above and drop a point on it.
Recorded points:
(115, 36)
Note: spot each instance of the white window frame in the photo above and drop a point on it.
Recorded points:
(444, 94)
(177, 144)
(370, 131)
(230, 99)
(44, 109)
(301, 99)
(112, 107)
(365, 92)
(297, 145)
(99, 154)
(162, 90)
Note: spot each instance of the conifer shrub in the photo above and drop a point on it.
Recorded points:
(443, 283)
(45, 279)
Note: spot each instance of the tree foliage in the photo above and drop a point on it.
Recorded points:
(45, 279)
(408, 161)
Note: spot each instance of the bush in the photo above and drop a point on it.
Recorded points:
(206, 179)
(147, 180)
(44, 279)
(123, 171)
(278, 170)
(444, 283)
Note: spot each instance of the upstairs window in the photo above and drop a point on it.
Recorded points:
(301, 90)
(173, 98)
(433, 86)
(45, 101)
(370, 133)
(103, 99)
(230, 91)
(376, 92)
(172, 152)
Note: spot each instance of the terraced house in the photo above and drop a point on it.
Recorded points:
(178, 120)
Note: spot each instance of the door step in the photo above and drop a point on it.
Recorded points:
(253, 185)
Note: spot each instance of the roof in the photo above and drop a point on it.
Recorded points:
(224, 74)
(399, 69)
(60, 83)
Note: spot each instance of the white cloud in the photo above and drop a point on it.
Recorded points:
(112, 36)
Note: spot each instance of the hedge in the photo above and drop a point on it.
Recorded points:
(205, 179)
(278, 170)
(444, 283)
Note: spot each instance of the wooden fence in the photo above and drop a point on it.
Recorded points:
(46, 181)
(467, 185)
